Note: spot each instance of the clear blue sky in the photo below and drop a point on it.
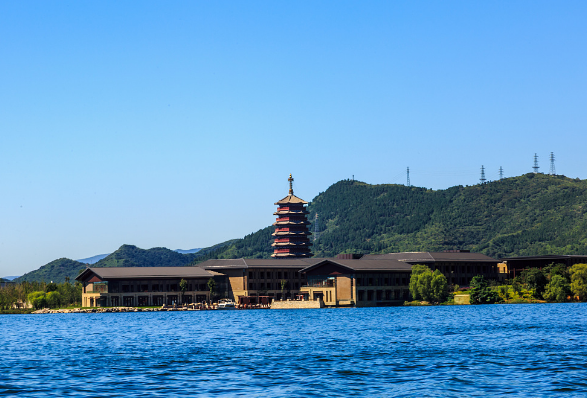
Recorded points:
(177, 123)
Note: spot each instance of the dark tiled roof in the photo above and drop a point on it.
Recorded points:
(147, 272)
(413, 257)
(258, 263)
(545, 257)
(366, 265)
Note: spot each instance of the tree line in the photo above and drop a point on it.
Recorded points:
(40, 295)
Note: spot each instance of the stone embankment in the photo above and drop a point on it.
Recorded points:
(296, 304)
(118, 309)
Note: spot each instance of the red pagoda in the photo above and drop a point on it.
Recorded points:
(291, 227)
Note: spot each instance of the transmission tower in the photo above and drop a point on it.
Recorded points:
(482, 179)
(316, 229)
(500, 173)
(552, 169)
(409, 177)
(535, 164)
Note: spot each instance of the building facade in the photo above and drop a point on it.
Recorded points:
(147, 286)
(357, 282)
(250, 280)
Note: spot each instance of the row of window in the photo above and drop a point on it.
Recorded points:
(154, 287)
(274, 275)
(382, 281)
(379, 295)
(272, 286)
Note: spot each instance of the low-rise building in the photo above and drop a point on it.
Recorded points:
(357, 282)
(147, 286)
(249, 279)
(513, 266)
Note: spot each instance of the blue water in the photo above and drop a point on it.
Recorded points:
(519, 350)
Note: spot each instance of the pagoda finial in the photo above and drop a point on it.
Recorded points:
(290, 179)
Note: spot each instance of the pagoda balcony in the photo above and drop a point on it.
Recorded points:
(299, 210)
(295, 233)
(288, 240)
(283, 244)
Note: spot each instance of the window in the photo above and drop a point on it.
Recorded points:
(361, 295)
(386, 281)
(379, 295)
(279, 275)
(251, 275)
(261, 275)
(388, 294)
(369, 295)
(251, 286)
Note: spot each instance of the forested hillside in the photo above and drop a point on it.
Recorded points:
(55, 271)
(532, 214)
(527, 215)
(125, 256)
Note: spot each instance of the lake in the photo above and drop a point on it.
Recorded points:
(519, 350)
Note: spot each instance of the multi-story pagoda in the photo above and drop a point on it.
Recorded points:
(291, 227)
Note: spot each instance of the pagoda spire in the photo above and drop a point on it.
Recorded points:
(291, 227)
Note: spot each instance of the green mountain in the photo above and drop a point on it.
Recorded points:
(532, 214)
(125, 256)
(132, 256)
(55, 271)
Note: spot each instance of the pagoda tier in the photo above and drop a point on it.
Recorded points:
(291, 227)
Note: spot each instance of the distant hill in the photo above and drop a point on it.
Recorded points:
(187, 251)
(132, 256)
(532, 214)
(125, 256)
(56, 271)
(93, 259)
(9, 278)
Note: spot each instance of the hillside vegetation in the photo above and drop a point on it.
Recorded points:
(533, 214)
(125, 256)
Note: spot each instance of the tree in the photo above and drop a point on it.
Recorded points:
(212, 287)
(481, 292)
(535, 279)
(427, 285)
(183, 287)
(417, 269)
(37, 299)
(558, 289)
(439, 287)
(283, 286)
(556, 269)
(579, 281)
(517, 285)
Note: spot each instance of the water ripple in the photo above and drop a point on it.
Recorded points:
(519, 350)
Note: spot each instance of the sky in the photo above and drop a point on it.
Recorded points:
(176, 124)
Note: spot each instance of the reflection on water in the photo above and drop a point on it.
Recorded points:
(521, 350)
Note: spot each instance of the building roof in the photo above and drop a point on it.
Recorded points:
(364, 265)
(545, 257)
(258, 263)
(413, 257)
(146, 272)
(291, 198)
